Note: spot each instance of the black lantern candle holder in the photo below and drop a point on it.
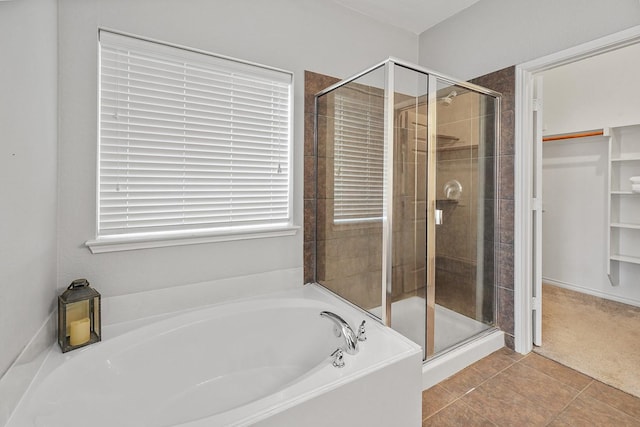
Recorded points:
(78, 316)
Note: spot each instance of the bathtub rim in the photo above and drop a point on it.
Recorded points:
(54, 358)
(17, 379)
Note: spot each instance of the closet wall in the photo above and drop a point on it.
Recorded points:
(594, 93)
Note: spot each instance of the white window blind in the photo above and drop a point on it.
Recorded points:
(190, 142)
(358, 157)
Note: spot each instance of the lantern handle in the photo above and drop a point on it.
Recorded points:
(78, 283)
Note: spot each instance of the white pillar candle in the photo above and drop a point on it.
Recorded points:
(79, 331)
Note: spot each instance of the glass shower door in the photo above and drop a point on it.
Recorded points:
(442, 290)
(463, 296)
(405, 201)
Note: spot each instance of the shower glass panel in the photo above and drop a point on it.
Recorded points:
(405, 201)
(409, 234)
(350, 168)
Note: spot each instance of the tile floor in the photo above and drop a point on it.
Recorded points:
(509, 389)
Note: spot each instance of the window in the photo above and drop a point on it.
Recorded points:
(190, 143)
(359, 157)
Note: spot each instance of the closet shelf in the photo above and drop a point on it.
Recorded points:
(625, 258)
(622, 235)
(627, 158)
(624, 192)
(625, 225)
(574, 135)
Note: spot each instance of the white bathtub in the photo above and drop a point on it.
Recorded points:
(261, 361)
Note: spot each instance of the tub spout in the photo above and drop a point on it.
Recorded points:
(350, 338)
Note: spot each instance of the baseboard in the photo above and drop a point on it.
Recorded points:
(590, 291)
(442, 367)
(17, 379)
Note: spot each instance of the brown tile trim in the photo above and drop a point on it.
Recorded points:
(503, 81)
(313, 83)
(509, 341)
(505, 310)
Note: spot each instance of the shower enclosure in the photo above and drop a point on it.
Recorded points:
(405, 201)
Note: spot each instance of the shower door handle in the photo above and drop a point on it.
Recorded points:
(438, 216)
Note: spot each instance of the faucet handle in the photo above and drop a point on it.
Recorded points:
(362, 332)
(338, 358)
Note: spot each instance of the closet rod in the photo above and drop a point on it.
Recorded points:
(598, 132)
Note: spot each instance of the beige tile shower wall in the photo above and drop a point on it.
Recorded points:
(458, 130)
(409, 220)
(349, 256)
(457, 160)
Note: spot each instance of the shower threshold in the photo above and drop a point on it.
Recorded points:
(459, 340)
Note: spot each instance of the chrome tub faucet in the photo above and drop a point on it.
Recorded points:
(343, 329)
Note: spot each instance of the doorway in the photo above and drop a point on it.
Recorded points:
(591, 155)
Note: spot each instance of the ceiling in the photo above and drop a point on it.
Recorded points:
(412, 15)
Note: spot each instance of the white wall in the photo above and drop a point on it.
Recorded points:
(494, 34)
(574, 221)
(28, 102)
(291, 34)
(597, 92)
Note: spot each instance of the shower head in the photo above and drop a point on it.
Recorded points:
(447, 100)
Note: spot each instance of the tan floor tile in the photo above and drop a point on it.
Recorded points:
(499, 403)
(494, 363)
(456, 415)
(512, 354)
(620, 400)
(464, 381)
(435, 399)
(560, 372)
(543, 390)
(585, 411)
(526, 391)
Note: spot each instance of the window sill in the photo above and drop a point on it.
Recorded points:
(129, 243)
